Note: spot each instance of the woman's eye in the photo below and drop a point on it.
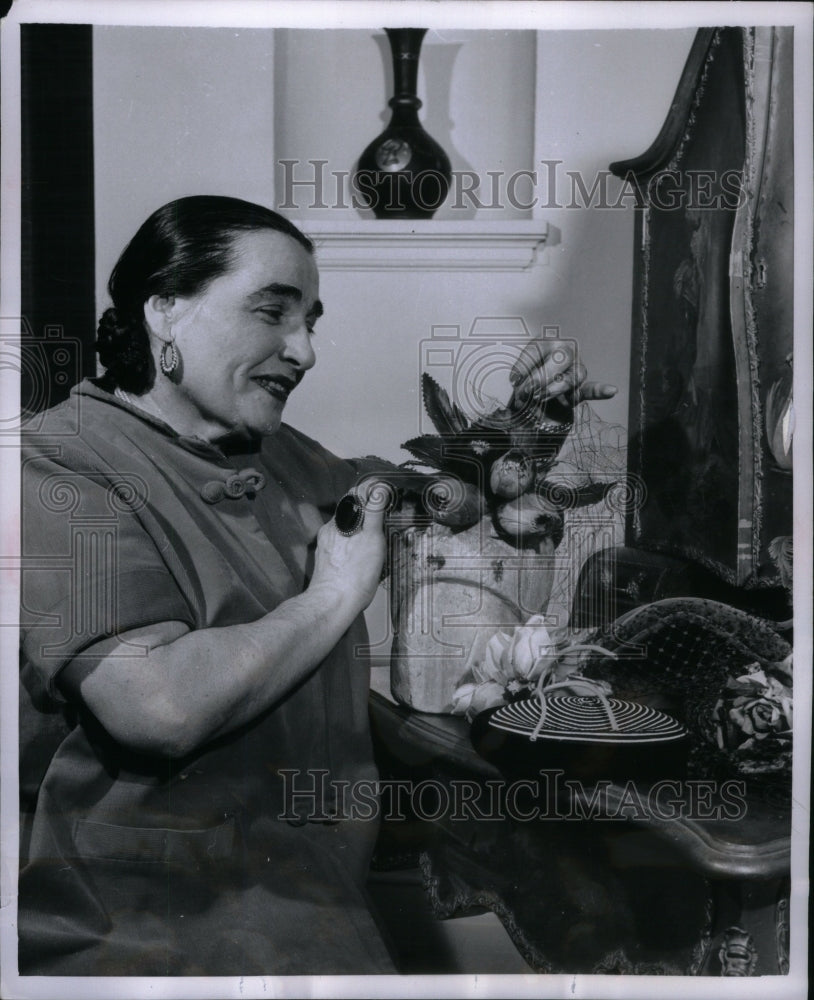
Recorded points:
(272, 314)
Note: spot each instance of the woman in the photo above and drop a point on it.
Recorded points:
(195, 645)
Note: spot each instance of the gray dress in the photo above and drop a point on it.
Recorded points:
(229, 861)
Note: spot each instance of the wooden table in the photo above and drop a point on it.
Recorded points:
(640, 894)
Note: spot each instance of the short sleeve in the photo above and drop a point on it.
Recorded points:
(89, 568)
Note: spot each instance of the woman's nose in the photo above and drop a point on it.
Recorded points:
(298, 349)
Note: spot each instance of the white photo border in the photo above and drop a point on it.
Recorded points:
(331, 15)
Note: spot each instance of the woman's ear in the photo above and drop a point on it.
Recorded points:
(159, 312)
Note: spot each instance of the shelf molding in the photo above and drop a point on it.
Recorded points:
(425, 245)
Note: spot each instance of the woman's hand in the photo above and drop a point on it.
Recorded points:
(550, 369)
(352, 565)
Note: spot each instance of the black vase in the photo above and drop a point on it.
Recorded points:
(404, 173)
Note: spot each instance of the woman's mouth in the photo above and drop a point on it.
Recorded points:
(276, 385)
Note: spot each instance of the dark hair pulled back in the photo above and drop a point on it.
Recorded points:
(182, 247)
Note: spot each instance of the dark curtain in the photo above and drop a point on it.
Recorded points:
(57, 238)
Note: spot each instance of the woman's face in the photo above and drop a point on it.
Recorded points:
(245, 341)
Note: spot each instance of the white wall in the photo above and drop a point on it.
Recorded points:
(177, 111)
(181, 111)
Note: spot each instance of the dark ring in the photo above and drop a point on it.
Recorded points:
(349, 515)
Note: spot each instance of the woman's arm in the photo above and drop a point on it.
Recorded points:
(166, 690)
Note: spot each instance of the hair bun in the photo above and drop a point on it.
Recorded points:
(123, 347)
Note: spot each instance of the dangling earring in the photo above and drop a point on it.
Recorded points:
(169, 358)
